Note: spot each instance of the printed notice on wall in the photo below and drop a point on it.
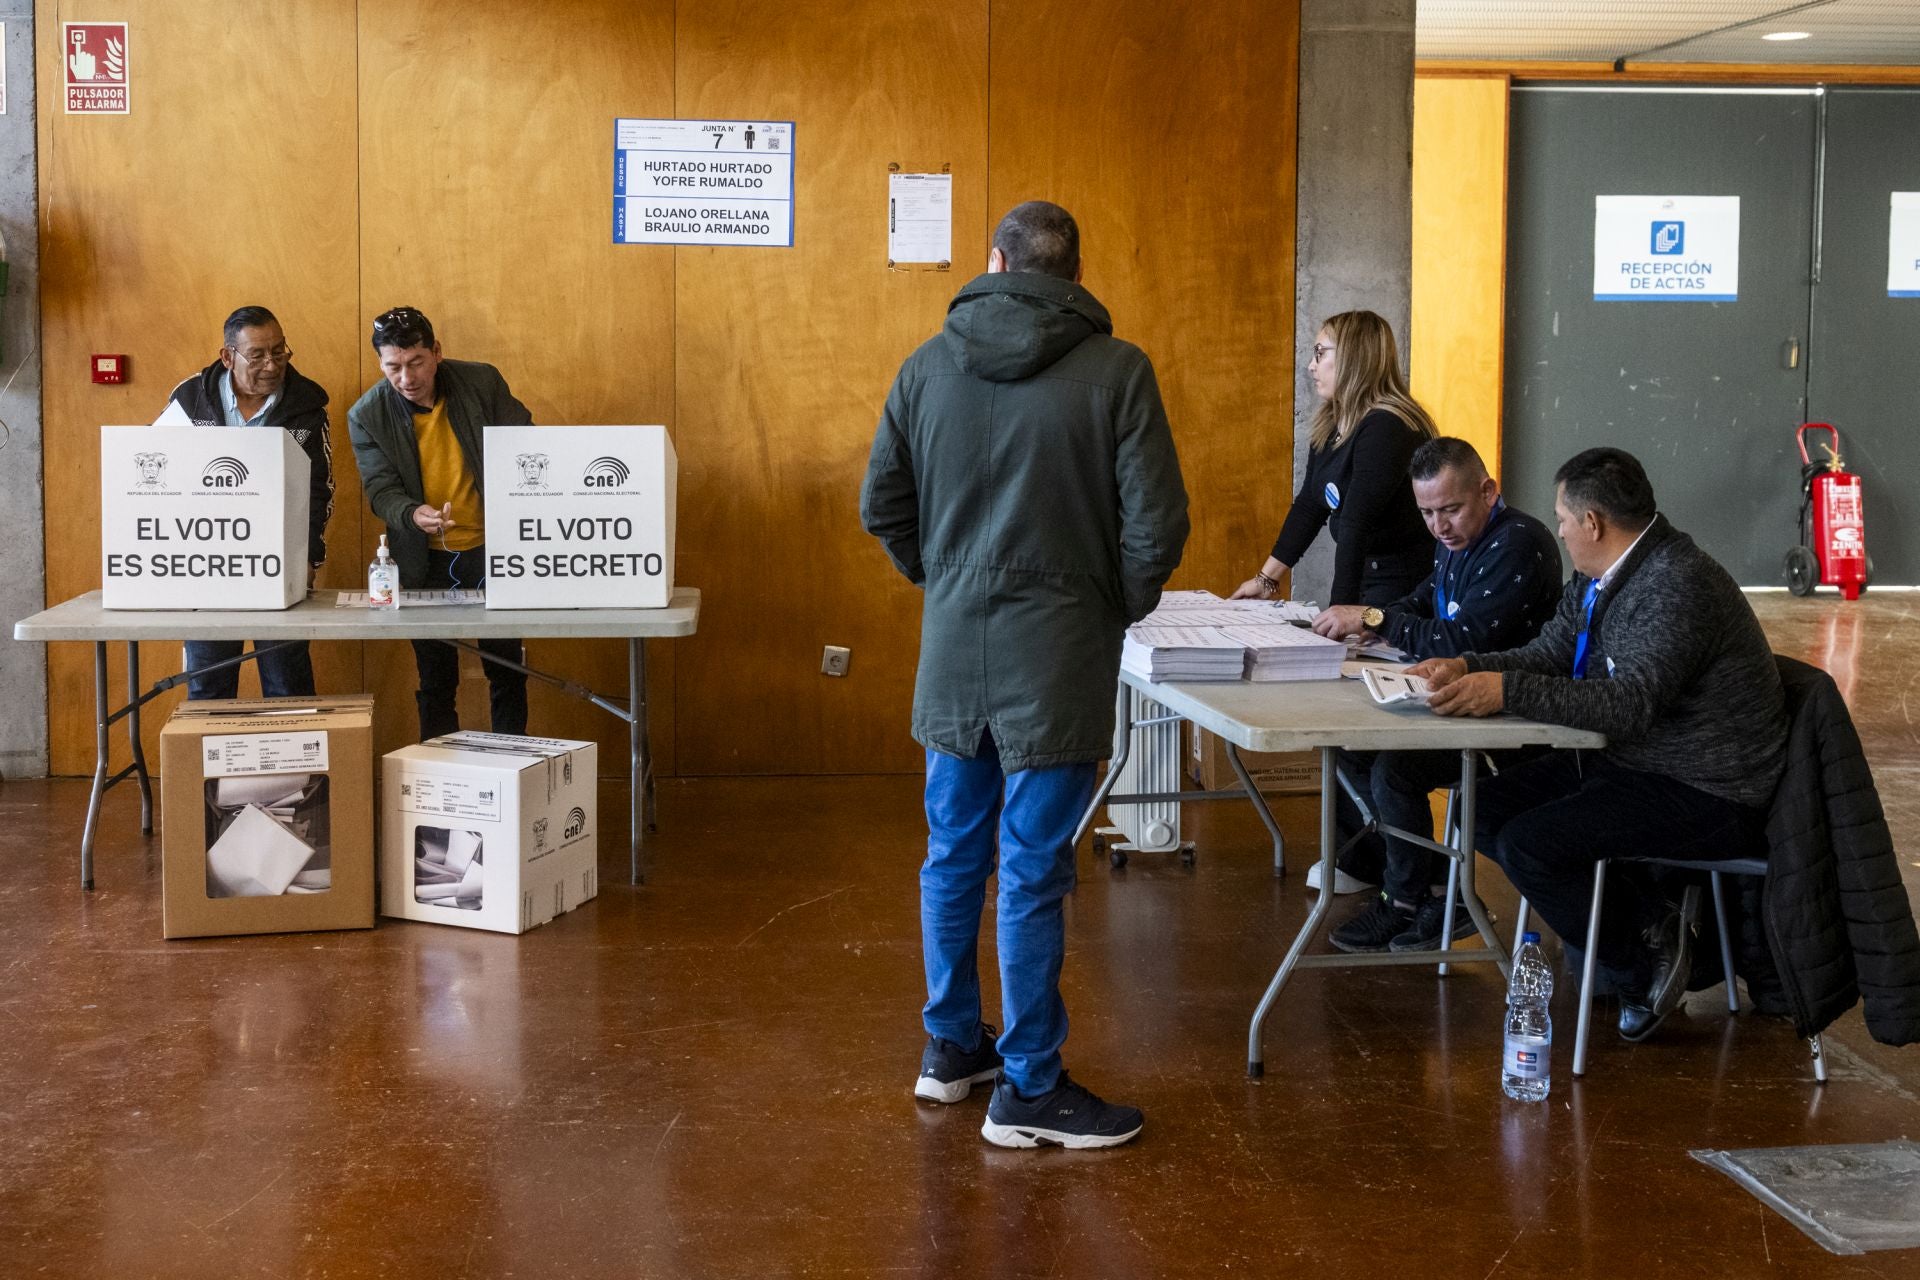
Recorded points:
(920, 219)
(1666, 248)
(94, 58)
(724, 182)
(1903, 245)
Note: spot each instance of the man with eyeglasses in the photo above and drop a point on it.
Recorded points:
(254, 384)
(418, 437)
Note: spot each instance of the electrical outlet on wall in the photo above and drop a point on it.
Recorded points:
(833, 662)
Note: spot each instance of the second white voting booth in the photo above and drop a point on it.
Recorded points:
(580, 517)
(202, 518)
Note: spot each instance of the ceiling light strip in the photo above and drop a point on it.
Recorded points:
(1620, 63)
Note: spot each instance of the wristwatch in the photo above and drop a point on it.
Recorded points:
(1371, 617)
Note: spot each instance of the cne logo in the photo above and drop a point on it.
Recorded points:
(576, 823)
(605, 473)
(152, 468)
(224, 473)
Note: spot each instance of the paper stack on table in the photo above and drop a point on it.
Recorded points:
(1204, 609)
(1277, 651)
(1182, 653)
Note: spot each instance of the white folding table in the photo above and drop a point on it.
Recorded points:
(1328, 716)
(319, 618)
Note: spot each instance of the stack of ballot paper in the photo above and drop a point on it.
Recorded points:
(1276, 651)
(1204, 609)
(1182, 653)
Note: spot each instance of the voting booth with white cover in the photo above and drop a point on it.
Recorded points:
(202, 518)
(488, 830)
(580, 517)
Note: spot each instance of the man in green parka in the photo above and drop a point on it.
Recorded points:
(1024, 476)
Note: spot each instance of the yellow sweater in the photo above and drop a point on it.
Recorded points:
(444, 478)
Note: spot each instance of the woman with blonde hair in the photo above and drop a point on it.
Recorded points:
(1364, 435)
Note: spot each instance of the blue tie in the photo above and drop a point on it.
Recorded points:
(1581, 641)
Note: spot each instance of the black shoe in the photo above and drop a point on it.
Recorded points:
(1671, 942)
(1671, 945)
(1638, 1019)
(1068, 1115)
(1424, 933)
(948, 1073)
(1373, 929)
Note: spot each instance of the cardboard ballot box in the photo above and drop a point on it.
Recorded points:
(487, 830)
(267, 816)
(1274, 772)
(202, 518)
(580, 517)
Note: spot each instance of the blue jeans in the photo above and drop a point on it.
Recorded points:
(286, 672)
(1033, 813)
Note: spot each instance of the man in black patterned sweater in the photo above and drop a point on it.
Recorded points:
(1655, 646)
(1495, 583)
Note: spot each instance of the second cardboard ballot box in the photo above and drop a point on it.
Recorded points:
(580, 517)
(267, 816)
(488, 830)
(202, 518)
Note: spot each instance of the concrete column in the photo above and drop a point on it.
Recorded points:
(1354, 239)
(23, 571)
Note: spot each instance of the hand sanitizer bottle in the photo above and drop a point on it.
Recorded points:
(383, 580)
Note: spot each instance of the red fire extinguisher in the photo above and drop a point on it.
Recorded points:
(1833, 531)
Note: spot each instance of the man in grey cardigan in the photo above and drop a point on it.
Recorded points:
(1024, 476)
(1655, 646)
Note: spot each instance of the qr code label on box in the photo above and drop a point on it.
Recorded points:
(449, 797)
(241, 753)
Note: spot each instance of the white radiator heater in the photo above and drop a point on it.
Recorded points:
(1153, 766)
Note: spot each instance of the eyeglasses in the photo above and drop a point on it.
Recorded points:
(254, 359)
(1321, 350)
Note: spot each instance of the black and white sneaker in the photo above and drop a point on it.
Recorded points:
(1068, 1115)
(1428, 921)
(948, 1073)
(1375, 928)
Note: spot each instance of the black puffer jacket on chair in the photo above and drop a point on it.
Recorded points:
(1834, 912)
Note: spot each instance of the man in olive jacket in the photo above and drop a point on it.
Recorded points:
(1024, 476)
(418, 437)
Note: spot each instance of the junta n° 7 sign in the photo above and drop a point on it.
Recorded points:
(93, 57)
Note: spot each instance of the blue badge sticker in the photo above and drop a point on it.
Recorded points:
(1333, 496)
(1453, 608)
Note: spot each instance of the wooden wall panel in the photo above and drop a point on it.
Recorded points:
(229, 183)
(785, 356)
(1169, 132)
(486, 197)
(1460, 255)
(332, 159)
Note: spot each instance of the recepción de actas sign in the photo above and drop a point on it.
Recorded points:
(1666, 248)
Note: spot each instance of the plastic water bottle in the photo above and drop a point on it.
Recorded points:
(1526, 1073)
(383, 579)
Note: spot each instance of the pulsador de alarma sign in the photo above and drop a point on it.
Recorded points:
(202, 518)
(580, 517)
(1666, 248)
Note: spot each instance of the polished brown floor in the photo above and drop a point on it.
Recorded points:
(711, 1076)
